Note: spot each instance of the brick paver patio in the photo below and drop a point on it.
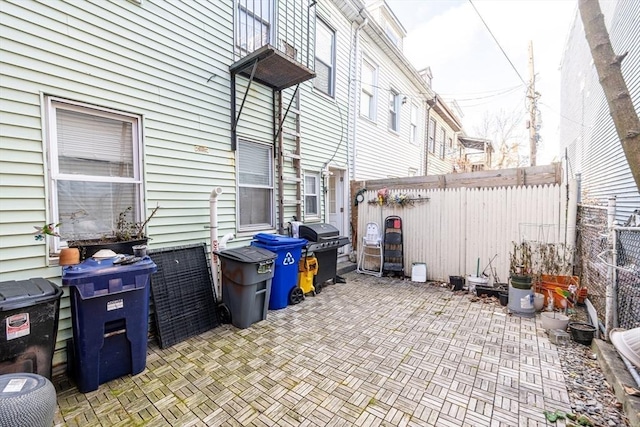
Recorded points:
(371, 352)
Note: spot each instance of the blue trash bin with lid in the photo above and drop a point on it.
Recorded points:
(110, 317)
(285, 277)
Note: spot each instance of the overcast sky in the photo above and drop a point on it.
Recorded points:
(467, 64)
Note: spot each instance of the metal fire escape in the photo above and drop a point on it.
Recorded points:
(278, 70)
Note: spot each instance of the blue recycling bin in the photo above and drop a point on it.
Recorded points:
(110, 317)
(285, 276)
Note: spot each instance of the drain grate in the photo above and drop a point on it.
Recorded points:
(182, 292)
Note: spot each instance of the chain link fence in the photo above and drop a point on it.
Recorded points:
(628, 248)
(591, 241)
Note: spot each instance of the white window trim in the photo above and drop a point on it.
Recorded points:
(264, 226)
(396, 105)
(414, 127)
(333, 65)
(374, 90)
(52, 104)
(432, 135)
(316, 194)
(443, 142)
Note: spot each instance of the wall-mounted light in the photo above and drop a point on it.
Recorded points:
(404, 100)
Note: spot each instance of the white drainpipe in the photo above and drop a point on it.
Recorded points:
(213, 231)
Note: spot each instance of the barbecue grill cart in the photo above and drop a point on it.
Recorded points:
(324, 241)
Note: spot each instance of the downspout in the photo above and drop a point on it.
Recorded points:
(355, 89)
(426, 145)
(610, 317)
(213, 234)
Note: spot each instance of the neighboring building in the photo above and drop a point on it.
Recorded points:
(401, 128)
(587, 131)
(475, 154)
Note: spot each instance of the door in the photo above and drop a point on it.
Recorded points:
(336, 202)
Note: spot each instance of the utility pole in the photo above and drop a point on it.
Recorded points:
(532, 96)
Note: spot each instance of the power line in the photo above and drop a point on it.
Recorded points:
(496, 40)
(488, 96)
(454, 95)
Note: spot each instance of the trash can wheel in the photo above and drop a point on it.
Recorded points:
(318, 287)
(224, 314)
(296, 296)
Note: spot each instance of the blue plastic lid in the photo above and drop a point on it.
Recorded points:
(91, 267)
(279, 240)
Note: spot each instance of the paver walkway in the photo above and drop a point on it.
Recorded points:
(371, 352)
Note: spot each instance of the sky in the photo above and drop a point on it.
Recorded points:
(469, 66)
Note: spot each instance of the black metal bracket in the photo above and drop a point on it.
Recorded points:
(235, 117)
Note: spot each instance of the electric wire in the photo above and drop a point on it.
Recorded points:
(563, 116)
(498, 43)
(453, 95)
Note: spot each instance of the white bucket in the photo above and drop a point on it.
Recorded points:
(419, 272)
(473, 281)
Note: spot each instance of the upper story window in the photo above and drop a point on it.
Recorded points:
(443, 139)
(255, 186)
(393, 35)
(414, 123)
(432, 135)
(311, 195)
(253, 29)
(325, 58)
(394, 111)
(95, 168)
(368, 78)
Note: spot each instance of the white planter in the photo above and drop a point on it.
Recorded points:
(553, 320)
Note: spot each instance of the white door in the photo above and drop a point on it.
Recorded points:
(336, 202)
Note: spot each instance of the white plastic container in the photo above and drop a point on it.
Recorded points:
(473, 281)
(419, 272)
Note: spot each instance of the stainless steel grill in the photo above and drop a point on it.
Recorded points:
(324, 241)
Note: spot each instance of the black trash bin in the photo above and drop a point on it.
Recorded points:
(247, 273)
(29, 310)
(110, 316)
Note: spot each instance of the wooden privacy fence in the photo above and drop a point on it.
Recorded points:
(449, 229)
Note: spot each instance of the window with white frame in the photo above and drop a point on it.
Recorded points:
(432, 135)
(325, 58)
(368, 78)
(253, 24)
(443, 139)
(311, 194)
(414, 123)
(95, 168)
(255, 185)
(394, 111)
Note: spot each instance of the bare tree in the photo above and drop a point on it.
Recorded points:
(615, 89)
(506, 131)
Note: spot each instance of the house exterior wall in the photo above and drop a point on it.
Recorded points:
(437, 164)
(379, 151)
(587, 131)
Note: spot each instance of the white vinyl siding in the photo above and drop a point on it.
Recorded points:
(167, 62)
(255, 186)
(443, 143)
(586, 128)
(325, 58)
(432, 135)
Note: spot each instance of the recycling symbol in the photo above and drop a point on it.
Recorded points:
(288, 259)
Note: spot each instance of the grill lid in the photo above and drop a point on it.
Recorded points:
(317, 231)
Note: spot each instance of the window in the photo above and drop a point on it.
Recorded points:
(311, 195)
(432, 135)
(253, 25)
(368, 77)
(394, 37)
(95, 168)
(443, 139)
(255, 185)
(325, 57)
(394, 111)
(414, 123)
(450, 142)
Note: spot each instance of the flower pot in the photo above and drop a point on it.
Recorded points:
(473, 281)
(504, 298)
(457, 282)
(582, 332)
(538, 301)
(552, 320)
(88, 248)
(521, 282)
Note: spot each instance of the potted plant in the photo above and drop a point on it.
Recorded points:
(125, 235)
(521, 269)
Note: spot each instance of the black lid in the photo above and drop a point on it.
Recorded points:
(248, 254)
(16, 294)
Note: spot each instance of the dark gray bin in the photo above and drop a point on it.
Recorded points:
(247, 273)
